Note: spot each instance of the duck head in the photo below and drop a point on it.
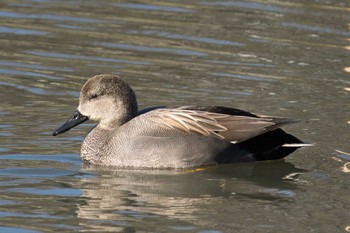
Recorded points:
(104, 98)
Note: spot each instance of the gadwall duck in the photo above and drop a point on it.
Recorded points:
(171, 137)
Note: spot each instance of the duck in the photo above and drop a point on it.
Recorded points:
(172, 137)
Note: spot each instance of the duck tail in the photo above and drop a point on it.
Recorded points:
(272, 145)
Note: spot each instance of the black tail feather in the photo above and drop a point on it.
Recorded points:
(267, 146)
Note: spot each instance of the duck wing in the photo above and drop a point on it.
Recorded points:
(232, 128)
(214, 109)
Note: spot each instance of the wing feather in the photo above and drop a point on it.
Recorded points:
(228, 127)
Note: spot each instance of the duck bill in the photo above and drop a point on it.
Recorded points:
(76, 119)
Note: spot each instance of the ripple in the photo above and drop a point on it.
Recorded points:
(34, 90)
(4, 149)
(279, 192)
(6, 134)
(16, 230)
(240, 76)
(62, 158)
(8, 14)
(239, 63)
(32, 215)
(19, 31)
(152, 49)
(35, 172)
(152, 7)
(7, 202)
(35, 66)
(185, 37)
(63, 192)
(28, 73)
(315, 28)
(91, 58)
(251, 5)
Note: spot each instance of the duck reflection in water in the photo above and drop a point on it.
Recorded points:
(143, 197)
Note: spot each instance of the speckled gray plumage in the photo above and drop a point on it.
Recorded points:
(142, 143)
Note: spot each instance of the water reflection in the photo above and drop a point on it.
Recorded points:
(341, 156)
(142, 195)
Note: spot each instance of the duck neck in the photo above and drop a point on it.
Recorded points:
(120, 117)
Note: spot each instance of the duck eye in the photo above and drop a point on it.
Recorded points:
(93, 96)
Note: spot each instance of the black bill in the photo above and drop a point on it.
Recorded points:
(75, 120)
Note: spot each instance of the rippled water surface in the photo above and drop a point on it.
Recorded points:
(284, 58)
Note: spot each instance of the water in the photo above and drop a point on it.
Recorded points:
(283, 58)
